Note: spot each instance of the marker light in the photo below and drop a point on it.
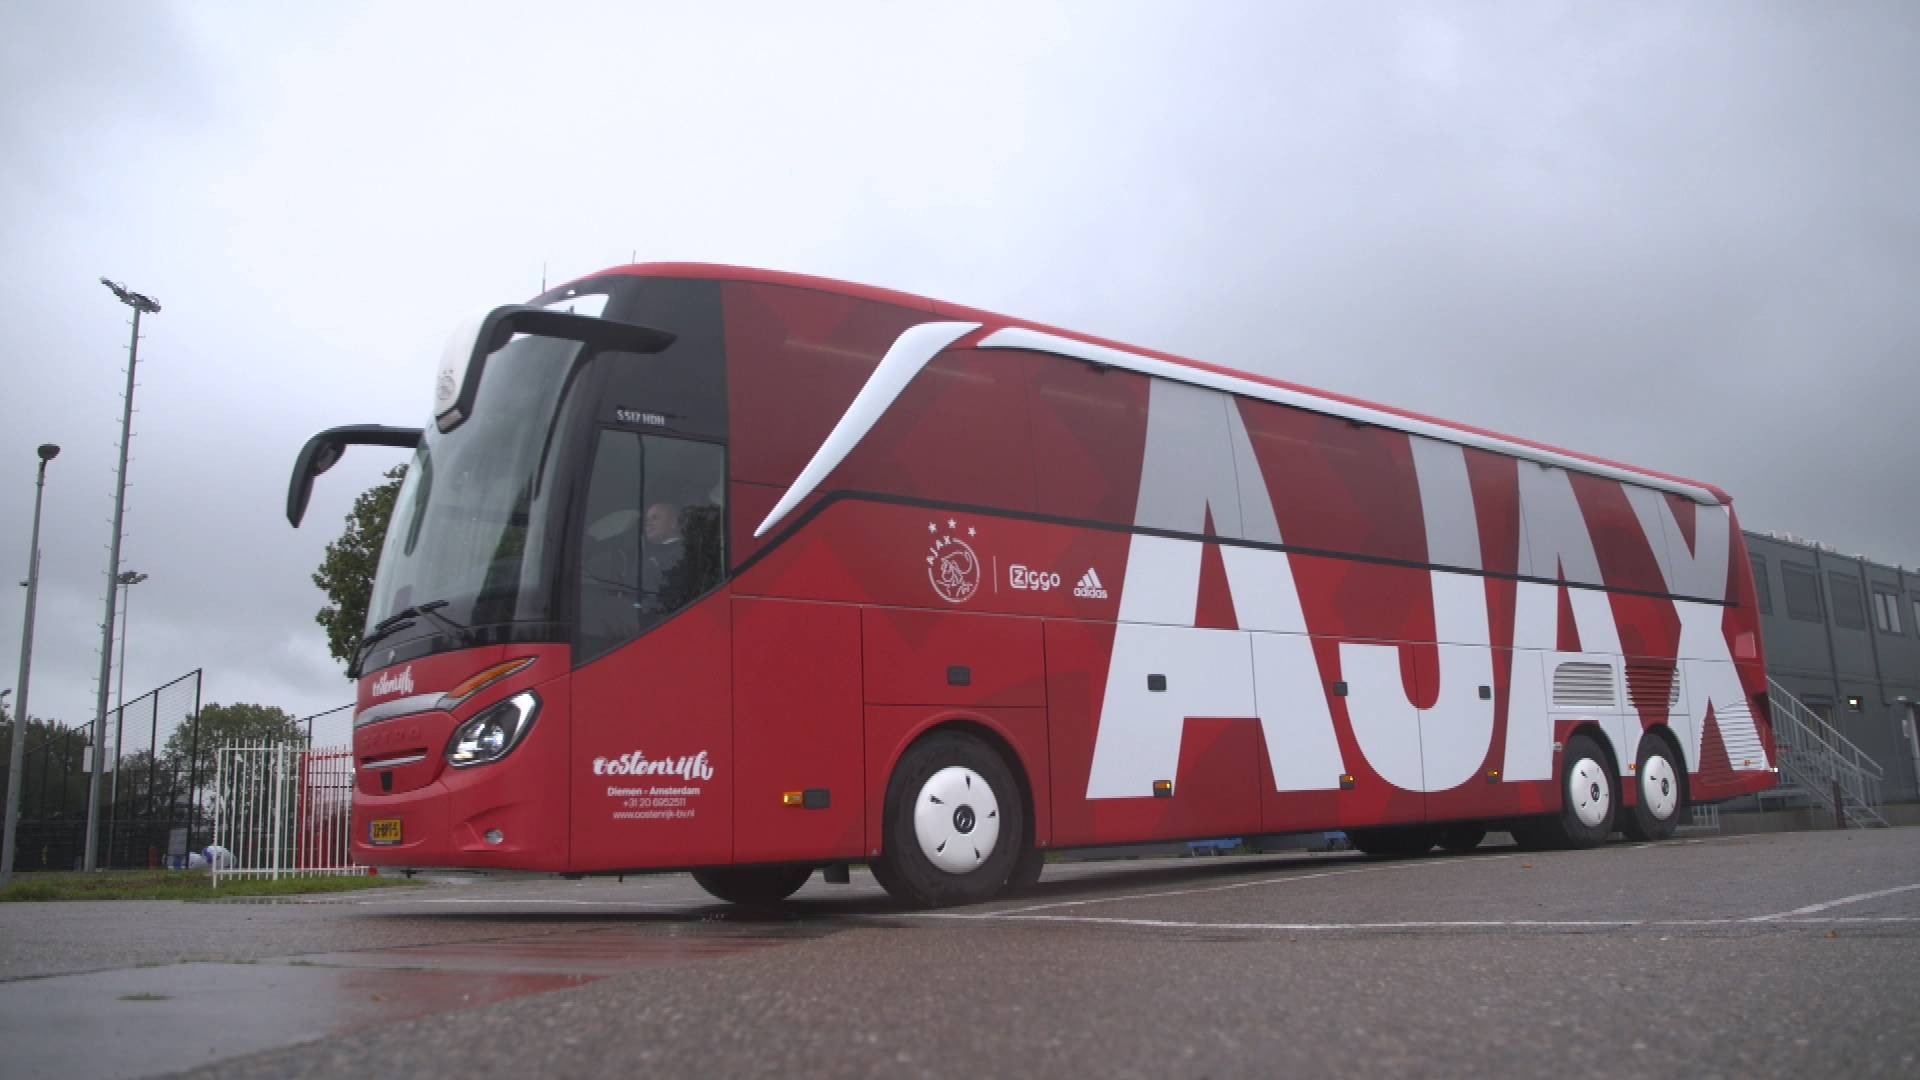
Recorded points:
(1163, 789)
(793, 798)
(485, 678)
(494, 731)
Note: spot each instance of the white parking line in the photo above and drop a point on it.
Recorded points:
(1812, 908)
(1796, 916)
(1414, 924)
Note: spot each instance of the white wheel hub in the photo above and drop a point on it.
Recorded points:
(1589, 792)
(1659, 788)
(956, 818)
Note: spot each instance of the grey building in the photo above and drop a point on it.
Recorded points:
(1842, 633)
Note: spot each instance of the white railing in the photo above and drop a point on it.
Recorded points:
(281, 810)
(1820, 759)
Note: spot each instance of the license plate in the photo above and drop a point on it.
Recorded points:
(384, 831)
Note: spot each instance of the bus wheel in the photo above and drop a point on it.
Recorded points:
(953, 823)
(1394, 839)
(1463, 837)
(1656, 812)
(1586, 794)
(753, 884)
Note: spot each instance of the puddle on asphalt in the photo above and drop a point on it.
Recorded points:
(150, 1020)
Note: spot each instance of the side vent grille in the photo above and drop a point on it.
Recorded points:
(1579, 685)
(1653, 686)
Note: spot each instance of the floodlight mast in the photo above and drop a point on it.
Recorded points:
(141, 305)
(47, 453)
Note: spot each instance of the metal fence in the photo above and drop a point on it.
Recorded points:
(282, 810)
(152, 802)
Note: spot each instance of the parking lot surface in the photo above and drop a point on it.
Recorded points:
(1786, 954)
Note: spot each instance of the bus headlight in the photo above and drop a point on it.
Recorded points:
(493, 731)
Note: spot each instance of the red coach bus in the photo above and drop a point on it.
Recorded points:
(752, 574)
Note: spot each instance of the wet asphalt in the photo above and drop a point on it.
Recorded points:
(1790, 954)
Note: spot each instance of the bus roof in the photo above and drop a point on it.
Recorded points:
(1204, 373)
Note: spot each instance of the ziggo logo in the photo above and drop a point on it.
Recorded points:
(1038, 580)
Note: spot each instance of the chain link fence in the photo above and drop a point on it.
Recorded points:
(153, 794)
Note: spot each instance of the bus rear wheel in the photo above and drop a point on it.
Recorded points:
(1659, 793)
(753, 884)
(953, 828)
(1587, 787)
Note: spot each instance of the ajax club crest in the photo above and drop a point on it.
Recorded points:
(952, 566)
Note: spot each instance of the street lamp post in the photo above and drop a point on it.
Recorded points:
(19, 744)
(141, 305)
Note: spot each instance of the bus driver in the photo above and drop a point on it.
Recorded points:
(660, 551)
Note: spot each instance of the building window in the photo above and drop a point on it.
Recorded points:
(1886, 612)
(1802, 588)
(1849, 609)
(1760, 587)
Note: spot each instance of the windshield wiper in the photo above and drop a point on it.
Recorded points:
(402, 619)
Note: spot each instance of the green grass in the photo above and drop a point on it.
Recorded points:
(176, 885)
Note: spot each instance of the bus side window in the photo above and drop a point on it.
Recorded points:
(653, 539)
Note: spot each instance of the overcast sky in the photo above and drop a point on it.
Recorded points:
(1686, 236)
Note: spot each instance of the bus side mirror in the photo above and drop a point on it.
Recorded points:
(465, 358)
(323, 451)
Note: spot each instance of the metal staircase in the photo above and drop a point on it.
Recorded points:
(1820, 764)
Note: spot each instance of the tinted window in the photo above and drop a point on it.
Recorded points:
(1802, 588)
(1849, 607)
(1760, 587)
(652, 539)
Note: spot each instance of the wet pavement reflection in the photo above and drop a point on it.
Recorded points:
(151, 1020)
(586, 952)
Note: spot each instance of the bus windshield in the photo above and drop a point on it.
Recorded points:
(469, 526)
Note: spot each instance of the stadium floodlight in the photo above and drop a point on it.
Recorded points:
(133, 299)
(141, 305)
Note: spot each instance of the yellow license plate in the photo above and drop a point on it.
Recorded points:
(384, 831)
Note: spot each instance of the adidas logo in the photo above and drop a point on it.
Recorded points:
(1090, 587)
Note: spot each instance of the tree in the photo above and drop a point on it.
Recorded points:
(53, 777)
(227, 725)
(346, 574)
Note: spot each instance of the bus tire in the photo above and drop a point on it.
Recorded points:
(1396, 840)
(757, 885)
(1464, 836)
(1587, 794)
(953, 826)
(1026, 869)
(1660, 792)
